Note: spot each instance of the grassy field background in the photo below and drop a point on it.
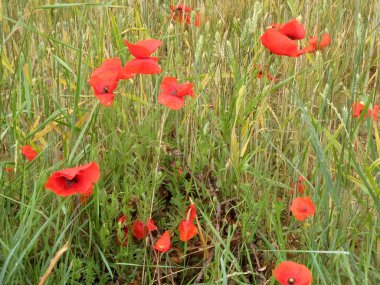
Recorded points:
(241, 142)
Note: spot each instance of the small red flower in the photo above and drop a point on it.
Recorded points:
(357, 109)
(191, 213)
(104, 80)
(291, 273)
(28, 152)
(143, 63)
(172, 94)
(299, 186)
(76, 180)
(280, 44)
(163, 243)
(9, 170)
(123, 225)
(302, 207)
(187, 230)
(140, 231)
(292, 29)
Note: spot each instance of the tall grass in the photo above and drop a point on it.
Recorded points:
(241, 141)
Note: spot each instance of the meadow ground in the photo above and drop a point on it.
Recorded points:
(235, 149)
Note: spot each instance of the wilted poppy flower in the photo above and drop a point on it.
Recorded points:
(28, 152)
(191, 213)
(104, 80)
(299, 186)
(292, 273)
(314, 46)
(260, 73)
(302, 207)
(76, 180)
(163, 243)
(180, 13)
(140, 231)
(143, 63)
(292, 29)
(357, 109)
(187, 230)
(280, 44)
(373, 113)
(172, 94)
(124, 228)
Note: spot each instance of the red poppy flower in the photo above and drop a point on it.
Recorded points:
(76, 180)
(172, 93)
(191, 213)
(292, 29)
(124, 228)
(143, 63)
(302, 207)
(299, 186)
(187, 230)
(291, 273)
(104, 80)
(280, 44)
(357, 109)
(373, 113)
(28, 152)
(140, 231)
(163, 243)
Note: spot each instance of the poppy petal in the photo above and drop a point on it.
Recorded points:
(106, 99)
(169, 85)
(28, 152)
(325, 41)
(144, 48)
(151, 226)
(163, 244)
(187, 230)
(279, 44)
(293, 29)
(171, 101)
(185, 89)
(142, 66)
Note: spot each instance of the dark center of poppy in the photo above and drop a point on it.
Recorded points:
(70, 182)
(304, 209)
(291, 281)
(105, 89)
(174, 92)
